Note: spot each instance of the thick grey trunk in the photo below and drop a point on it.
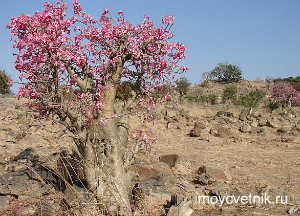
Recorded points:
(104, 167)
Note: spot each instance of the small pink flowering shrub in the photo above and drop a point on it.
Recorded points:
(283, 92)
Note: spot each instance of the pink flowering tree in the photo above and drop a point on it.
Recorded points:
(72, 68)
(284, 93)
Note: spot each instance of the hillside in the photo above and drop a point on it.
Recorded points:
(202, 149)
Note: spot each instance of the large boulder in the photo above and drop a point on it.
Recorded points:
(169, 159)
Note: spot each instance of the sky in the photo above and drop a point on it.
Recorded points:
(261, 36)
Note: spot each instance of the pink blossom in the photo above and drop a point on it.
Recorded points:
(91, 106)
(103, 121)
(10, 81)
(120, 13)
(89, 115)
(114, 116)
(78, 52)
(168, 19)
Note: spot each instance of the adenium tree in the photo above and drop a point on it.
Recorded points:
(284, 93)
(72, 68)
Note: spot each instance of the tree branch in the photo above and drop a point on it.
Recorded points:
(83, 84)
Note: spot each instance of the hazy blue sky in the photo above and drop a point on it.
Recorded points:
(261, 36)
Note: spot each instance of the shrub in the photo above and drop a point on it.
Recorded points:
(183, 86)
(212, 98)
(252, 99)
(205, 83)
(5, 83)
(272, 105)
(230, 93)
(284, 93)
(294, 81)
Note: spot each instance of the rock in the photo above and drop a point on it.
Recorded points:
(254, 123)
(158, 198)
(289, 114)
(189, 115)
(256, 114)
(225, 113)
(171, 113)
(26, 182)
(246, 128)
(183, 209)
(262, 121)
(230, 120)
(182, 167)
(213, 172)
(284, 129)
(150, 170)
(4, 202)
(224, 132)
(217, 173)
(204, 179)
(205, 135)
(245, 113)
(292, 210)
(265, 190)
(201, 169)
(199, 126)
(272, 123)
(213, 131)
(169, 159)
(28, 154)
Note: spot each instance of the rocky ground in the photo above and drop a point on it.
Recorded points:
(200, 151)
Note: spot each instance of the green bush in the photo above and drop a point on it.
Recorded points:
(252, 99)
(273, 105)
(5, 83)
(191, 96)
(230, 94)
(212, 98)
(205, 83)
(183, 86)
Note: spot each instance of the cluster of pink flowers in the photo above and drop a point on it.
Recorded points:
(284, 92)
(144, 138)
(168, 19)
(68, 51)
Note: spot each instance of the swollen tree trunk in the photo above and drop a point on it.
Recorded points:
(104, 169)
(104, 152)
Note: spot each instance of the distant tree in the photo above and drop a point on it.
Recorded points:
(207, 76)
(183, 85)
(226, 73)
(284, 93)
(5, 83)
